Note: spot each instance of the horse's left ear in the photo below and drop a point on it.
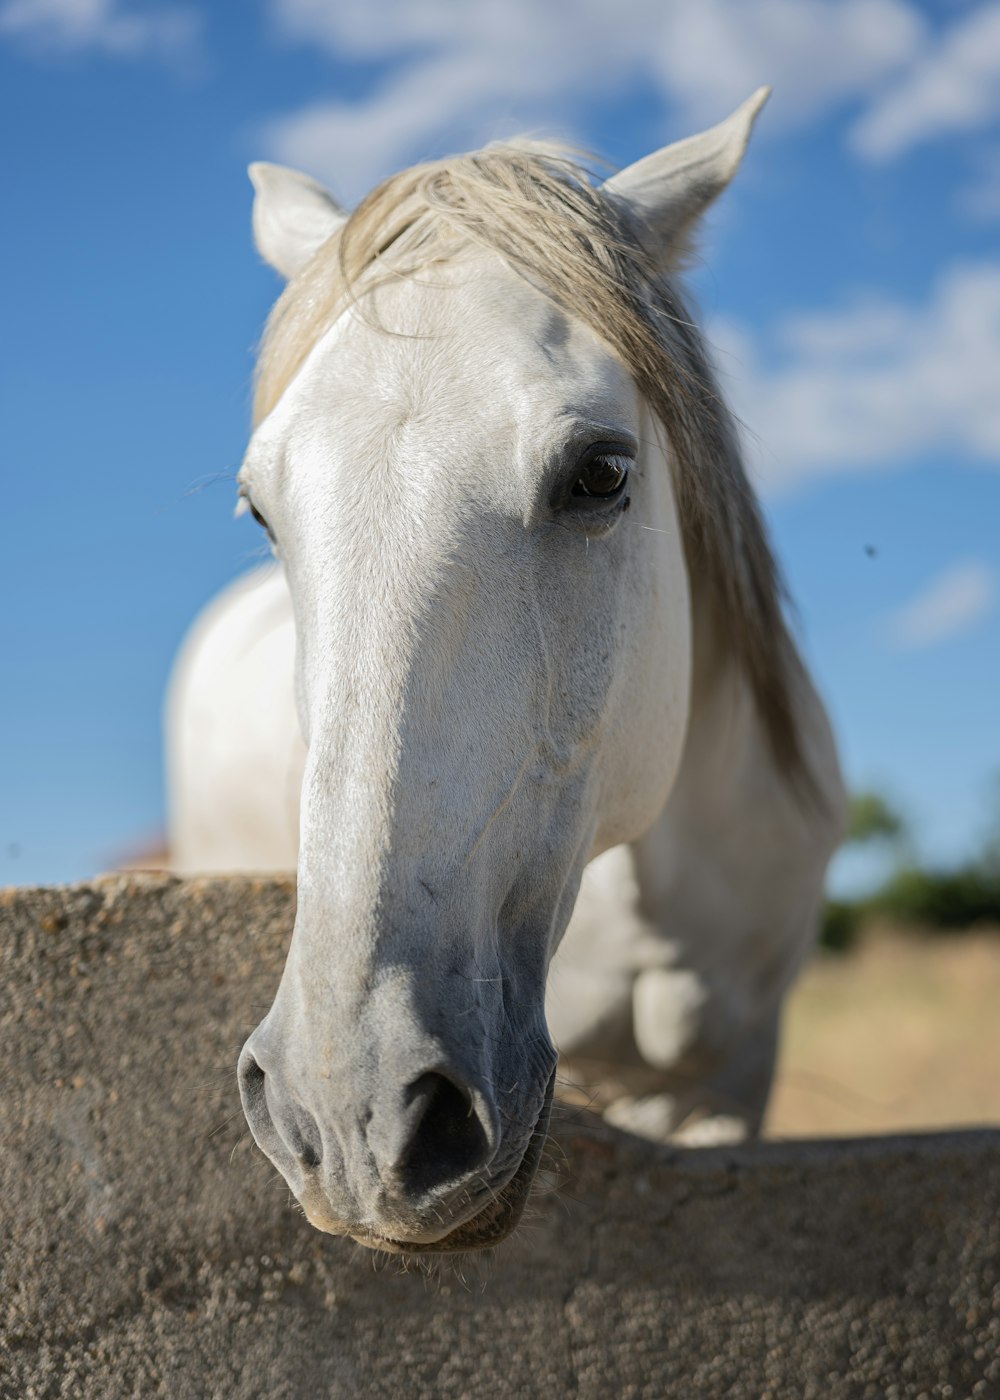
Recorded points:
(293, 215)
(672, 188)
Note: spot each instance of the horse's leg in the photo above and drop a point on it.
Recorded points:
(727, 885)
(588, 1000)
(725, 1107)
(667, 1045)
(641, 1029)
(740, 1091)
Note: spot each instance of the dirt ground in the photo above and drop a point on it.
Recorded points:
(900, 1034)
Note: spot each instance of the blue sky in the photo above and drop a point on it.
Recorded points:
(850, 281)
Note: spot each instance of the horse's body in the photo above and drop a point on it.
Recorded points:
(540, 651)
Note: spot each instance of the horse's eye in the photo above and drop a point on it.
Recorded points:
(260, 519)
(602, 476)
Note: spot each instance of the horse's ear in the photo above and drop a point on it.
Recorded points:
(672, 188)
(292, 216)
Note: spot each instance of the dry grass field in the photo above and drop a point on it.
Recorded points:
(902, 1033)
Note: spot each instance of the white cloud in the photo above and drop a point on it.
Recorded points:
(875, 384)
(869, 385)
(981, 201)
(954, 87)
(953, 602)
(461, 74)
(107, 26)
(817, 54)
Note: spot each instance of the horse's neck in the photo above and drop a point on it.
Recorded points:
(724, 731)
(728, 753)
(731, 863)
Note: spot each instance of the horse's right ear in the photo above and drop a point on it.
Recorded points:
(293, 215)
(671, 189)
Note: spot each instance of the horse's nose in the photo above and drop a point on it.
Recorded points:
(422, 1141)
(443, 1132)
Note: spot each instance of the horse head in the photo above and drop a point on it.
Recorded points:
(475, 398)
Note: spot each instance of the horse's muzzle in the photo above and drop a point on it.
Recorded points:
(428, 1167)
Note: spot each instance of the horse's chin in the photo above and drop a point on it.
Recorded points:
(496, 1220)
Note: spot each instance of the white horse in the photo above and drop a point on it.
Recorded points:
(528, 620)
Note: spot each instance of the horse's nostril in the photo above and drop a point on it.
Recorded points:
(448, 1140)
(251, 1078)
(269, 1110)
(305, 1139)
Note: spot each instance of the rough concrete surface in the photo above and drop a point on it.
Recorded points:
(147, 1249)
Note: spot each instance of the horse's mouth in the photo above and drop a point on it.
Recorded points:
(497, 1219)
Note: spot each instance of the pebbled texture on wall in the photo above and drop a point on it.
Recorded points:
(147, 1248)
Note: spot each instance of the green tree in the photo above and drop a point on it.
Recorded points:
(872, 818)
(989, 856)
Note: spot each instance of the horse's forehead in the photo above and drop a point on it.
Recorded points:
(470, 343)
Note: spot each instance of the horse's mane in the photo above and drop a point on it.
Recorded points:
(540, 210)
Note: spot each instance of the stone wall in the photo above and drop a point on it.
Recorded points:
(147, 1248)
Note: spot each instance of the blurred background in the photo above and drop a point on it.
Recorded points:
(850, 283)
